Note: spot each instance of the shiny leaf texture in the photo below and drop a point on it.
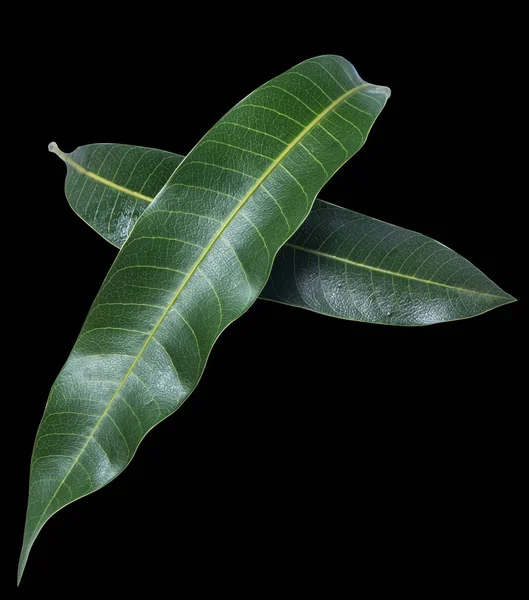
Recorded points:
(196, 259)
(339, 262)
(110, 185)
(348, 265)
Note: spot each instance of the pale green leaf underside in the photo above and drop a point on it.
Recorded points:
(339, 262)
(196, 259)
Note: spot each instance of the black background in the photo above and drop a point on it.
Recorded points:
(314, 451)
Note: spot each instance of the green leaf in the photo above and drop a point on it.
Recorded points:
(196, 260)
(339, 263)
(110, 185)
(348, 265)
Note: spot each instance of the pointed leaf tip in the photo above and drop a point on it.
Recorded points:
(90, 448)
(383, 89)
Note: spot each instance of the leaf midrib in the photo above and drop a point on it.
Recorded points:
(392, 273)
(148, 199)
(197, 264)
(75, 165)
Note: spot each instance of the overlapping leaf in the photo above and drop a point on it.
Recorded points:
(339, 263)
(196, 260)
(347, 265)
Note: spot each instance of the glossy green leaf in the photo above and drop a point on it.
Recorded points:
(196, 259)
(348, 265)
(110, 185)
(339, 263)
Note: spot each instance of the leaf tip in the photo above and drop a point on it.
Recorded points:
(384, 89)
(24, 554)
(380, 90)
(52, 147)
(506, 297)
(21, 566)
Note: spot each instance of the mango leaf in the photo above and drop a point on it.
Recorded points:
(197, 258)
(347, 265)
(339, 262)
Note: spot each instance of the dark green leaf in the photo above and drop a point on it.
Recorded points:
(347, 265)
(196, 260)
(339, 263)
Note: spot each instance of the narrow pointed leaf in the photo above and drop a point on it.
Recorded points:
(347, 265)
(339, 263)
(196, 259)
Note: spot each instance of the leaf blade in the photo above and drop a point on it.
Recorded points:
(368, 270)
(230, 228)
(101, 177)
(347, 301)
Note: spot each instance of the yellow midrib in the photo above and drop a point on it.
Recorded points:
(78, 167)
(221, 230)
(386, 272)
(69, 161)
(197, 264)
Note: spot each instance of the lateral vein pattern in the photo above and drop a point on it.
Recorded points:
(338, 263)
(196, 259)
